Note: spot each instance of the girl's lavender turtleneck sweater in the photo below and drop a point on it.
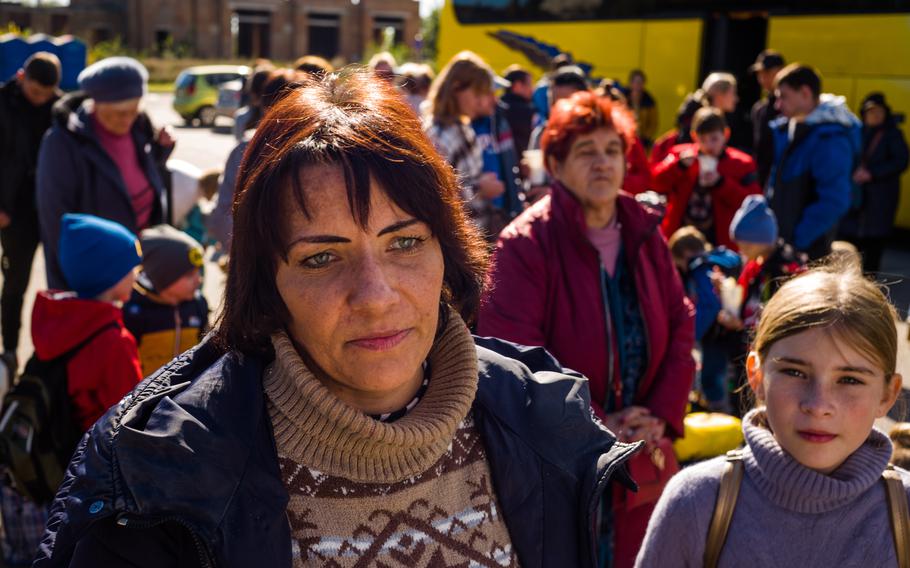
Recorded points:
(786, 515)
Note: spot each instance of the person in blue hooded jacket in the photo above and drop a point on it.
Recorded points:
(342, 414)
(816, 143)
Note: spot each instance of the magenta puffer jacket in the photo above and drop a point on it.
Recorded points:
(546, 291)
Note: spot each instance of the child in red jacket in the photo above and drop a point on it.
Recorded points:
(98, 258)
(705, 182)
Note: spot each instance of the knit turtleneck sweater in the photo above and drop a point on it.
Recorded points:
(413, 492)
(786, 513)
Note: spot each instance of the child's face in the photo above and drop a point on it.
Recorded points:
(184, 288)
(121, 291)
(822, 396)
(682, 261)
(712, 143)
(752, 251)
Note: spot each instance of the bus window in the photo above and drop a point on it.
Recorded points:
(499, 11)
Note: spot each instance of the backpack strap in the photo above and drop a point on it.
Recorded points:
(91, 337)
(727, 494)
(900, 515)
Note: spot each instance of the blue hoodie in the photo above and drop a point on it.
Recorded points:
(810, 187)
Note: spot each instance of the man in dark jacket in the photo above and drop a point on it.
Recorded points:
(100, 158)
(197, 434)
(816, 142)
(25, 114)
(517, 106)
(766, 66)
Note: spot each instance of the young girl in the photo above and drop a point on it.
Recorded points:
(822, 369)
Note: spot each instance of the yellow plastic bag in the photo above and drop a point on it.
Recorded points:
(708, 434)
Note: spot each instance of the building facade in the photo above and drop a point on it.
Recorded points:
(277, 29)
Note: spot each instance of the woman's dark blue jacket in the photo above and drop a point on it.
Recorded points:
(184, 471)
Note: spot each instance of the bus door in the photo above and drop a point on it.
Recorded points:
(730, 43)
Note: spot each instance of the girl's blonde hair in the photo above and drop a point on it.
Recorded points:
(466, 70)
(834, 295)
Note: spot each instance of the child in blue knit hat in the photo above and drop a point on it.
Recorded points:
(769, 262)
(99, 259)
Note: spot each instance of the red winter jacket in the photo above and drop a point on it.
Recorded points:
(662, 146)
(105, 369)
(547, 291)
(638, 172)
(739, 178)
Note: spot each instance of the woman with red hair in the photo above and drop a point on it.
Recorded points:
(586, 274)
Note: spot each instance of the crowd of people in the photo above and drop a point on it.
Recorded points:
(339, 411)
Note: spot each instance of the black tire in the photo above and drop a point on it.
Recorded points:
(206, 116)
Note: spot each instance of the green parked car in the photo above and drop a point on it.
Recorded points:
(196, 90)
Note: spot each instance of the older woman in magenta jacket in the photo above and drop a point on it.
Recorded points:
(586, 274)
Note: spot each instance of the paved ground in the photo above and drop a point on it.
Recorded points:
(207, 148)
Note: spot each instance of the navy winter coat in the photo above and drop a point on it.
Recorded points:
(810, 186)
(76, 175)
(184, 471)
(886, 160)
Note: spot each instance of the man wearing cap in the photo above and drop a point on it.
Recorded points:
(766, 66)
(99, 159)
(25, 114)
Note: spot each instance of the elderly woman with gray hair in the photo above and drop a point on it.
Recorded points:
(101, 157)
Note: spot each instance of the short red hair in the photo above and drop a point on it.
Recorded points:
(583, 113)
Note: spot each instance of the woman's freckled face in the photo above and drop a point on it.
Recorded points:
(364, 302)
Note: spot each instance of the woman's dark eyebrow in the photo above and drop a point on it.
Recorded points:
(398, 226)
(319, 239)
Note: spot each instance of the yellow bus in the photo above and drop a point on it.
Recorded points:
(859, 46)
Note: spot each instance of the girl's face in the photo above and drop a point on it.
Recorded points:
(474, 103)
(822, 396)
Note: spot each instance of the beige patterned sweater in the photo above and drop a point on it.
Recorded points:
(412, 493)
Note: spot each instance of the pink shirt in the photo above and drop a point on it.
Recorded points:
(122, 150)
(607, 242)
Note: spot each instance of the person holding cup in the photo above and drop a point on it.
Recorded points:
(705, 181)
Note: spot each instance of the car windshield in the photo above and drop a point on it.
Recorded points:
(184, 80)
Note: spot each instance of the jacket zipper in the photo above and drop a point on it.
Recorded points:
(177, 326)
(609, 325)
(202, 552)
(599, 488)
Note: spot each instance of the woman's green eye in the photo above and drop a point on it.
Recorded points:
(406, 243)
(317, 260)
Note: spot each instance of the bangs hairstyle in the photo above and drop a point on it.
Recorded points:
(466, 70)
(358, 122)
(834, 296)
(580, 114)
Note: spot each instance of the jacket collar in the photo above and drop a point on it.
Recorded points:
(196, 423)
(638, 221)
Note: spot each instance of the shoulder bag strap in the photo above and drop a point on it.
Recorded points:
(727, 493)
(900, 515)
